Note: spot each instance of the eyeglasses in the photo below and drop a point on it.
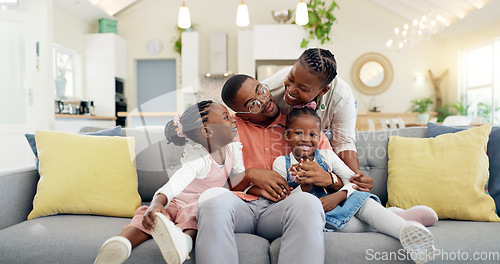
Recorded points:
(256, 105)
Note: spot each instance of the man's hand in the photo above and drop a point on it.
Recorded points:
(312, 173)
(363, 183)
(331, 201)
(270, 181)
(257, 191)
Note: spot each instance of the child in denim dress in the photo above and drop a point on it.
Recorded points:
(345, 205)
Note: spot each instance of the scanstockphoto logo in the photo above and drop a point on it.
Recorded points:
(437, 254)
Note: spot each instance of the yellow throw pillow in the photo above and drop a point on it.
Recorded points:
(82, 174)
(447, 173)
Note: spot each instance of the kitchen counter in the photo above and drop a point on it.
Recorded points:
(147, 119)
(85, 117)
(147, 114)
(73, 123)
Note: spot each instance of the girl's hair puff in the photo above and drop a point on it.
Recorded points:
(193, 118)
(297, 112)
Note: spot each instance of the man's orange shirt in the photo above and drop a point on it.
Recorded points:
(261, 145)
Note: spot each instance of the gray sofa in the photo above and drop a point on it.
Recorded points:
(77, 238)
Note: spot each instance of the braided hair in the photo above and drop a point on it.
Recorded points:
(321, 62)
(193, 118)
(297, 112)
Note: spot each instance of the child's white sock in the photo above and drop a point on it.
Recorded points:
(383, 220)
(189, 242)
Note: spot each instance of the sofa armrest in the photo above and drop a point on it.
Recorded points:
(17, 190)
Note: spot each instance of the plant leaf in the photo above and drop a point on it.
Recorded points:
(304, 43)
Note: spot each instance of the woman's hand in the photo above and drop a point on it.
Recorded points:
(312, 173)
(156, 206)
(270, 181)
(363, 183)
(331, 201)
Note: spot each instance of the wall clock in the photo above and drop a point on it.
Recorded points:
(154, 46)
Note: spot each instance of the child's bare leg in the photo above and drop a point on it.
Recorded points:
(134, 235)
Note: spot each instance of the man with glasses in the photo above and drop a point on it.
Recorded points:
(299, 219)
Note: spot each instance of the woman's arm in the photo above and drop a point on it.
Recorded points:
(350, 158)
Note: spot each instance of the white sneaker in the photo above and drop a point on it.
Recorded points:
(418, 242)
(170, 239)
(114, 251)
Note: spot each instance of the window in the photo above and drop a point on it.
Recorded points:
(482, 82)
(64, 72)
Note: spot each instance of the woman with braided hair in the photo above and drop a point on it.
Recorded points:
(210, 157)
(313, 80)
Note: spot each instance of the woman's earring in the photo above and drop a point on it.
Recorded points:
(322, 107)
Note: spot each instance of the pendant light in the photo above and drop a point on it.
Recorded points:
(184, 20)
(301, 15)
(242, 19)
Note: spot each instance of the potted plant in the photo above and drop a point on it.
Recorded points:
(421, 106)
(462, 107)
(321, 20)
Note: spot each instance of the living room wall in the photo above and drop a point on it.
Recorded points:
(357, 31)
(455, 48)
(69, 32)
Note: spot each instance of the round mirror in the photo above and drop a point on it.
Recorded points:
(372, 73)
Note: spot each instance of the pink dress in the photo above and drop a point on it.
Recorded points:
(199, 172)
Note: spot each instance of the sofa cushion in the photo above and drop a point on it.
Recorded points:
(372, 154)
(155, 160)
(112, 132)
(453, 239)
(78, 238)
(492, 150)
(446, 173)
(82, 174)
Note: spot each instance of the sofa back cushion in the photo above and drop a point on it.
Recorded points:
(156, 161)
(372, 154)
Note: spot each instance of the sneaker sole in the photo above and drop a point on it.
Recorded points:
(418, 242)
(113, 252)
(161, 235)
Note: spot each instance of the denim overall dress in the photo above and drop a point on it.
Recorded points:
(340, 215)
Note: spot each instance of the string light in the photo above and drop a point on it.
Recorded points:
(417, 31)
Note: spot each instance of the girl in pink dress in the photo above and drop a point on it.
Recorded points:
(210, 157)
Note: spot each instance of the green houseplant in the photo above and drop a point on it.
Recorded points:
(321, 20)
(421, 106)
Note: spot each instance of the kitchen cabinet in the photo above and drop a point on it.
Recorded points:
(269, 45)
(277, 42)
(105, 61)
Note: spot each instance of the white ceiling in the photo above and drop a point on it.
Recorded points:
(85, 10)
(463, 16)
